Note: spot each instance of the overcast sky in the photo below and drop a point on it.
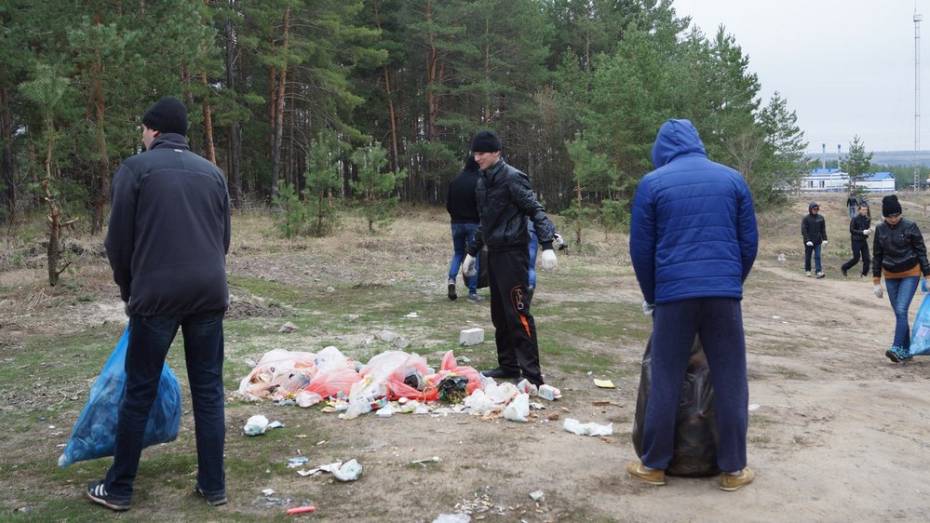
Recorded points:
(845, 66)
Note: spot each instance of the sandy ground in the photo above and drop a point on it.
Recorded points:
(840, 433)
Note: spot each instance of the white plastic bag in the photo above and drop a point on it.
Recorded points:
(518, 409)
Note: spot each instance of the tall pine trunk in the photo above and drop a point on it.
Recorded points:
(7, 165)
(54, 210)
(279, 111)
(208, 146)
(234, 172)
(432, 78)
(102, 183)
(392, 113)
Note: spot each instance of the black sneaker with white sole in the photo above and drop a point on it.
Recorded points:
(452, 294)
(213, 500)
(97, 492)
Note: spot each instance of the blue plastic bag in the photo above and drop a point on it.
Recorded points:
(920, 331)
(94, 433)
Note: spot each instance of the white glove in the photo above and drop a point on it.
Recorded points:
(548, 260)
(468, 266)
(825, 242)
(558, 242)
(648, 308)
(809, 244)
(866, 231)
(877, 290)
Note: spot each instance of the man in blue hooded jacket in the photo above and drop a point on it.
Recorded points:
(693, 240)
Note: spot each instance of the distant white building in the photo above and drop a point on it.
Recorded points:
(825, 180)
(835, 180)
(878, 182)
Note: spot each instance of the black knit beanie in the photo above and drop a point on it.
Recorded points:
(485, 142)
(167, 115)
(890, 205)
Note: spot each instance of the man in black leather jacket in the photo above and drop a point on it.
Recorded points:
(859, 230)
(505, 200)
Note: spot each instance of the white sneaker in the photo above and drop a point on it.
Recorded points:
(807, 273)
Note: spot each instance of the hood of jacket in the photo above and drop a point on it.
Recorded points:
(676, 138)
(811, 206)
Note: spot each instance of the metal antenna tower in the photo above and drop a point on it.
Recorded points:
(917, 19)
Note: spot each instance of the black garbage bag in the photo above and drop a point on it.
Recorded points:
(696, 438)
(452, 389)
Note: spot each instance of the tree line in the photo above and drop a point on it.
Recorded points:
(367, 101)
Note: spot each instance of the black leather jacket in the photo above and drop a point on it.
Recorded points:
(505, 200)
(899, 248)
(857, 225)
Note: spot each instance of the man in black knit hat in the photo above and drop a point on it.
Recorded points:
(167, 241)
(505, 201)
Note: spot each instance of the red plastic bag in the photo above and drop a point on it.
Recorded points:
(331, 383)
(449, 365)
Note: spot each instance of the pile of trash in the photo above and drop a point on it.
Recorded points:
(392, 381)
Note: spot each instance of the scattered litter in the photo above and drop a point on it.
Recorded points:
(537, 495)
(553, 417)
(307, 399)
(479, 403)
(606, 403)
(587, 429)
(256, 425)
(473, 336)
(413, 315)
(465, 359)
(518, 409)
(434, 459)
(537, 406)
(527, 388)
(604, 384)
(276, 425)
(298, 461)
(311, 472)
(401, 343)
(421, 409)
(268, 492)
(385, 412)
(458, 517)
(349, 471)
(753, 407)
(781, 257)
(287, 328)
(301, 510)
(387, 336)
(548, 392)
(452, 389)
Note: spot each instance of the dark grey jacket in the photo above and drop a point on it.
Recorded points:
(505, 201)
(898, 248)
(169, 231)
(814, 229)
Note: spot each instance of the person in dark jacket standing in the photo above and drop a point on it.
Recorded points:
(168, 236)
(901, 257)
(814, 233)
(462, 204)
(693, 240)
(851, 204)
(505, 200)
(859, 230)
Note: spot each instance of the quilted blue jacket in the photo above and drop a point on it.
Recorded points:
(693, 231)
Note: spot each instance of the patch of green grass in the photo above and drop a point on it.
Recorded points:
(572, 359)
(271, 290)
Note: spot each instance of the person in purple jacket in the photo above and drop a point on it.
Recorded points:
(693, 240)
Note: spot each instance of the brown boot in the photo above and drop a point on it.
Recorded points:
(637, 470)
(731, 482)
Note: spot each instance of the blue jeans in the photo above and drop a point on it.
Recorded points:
(149, 340)
(534, 248)
(462, 235)
(900, 293)
(719, 323)
(807, 258)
